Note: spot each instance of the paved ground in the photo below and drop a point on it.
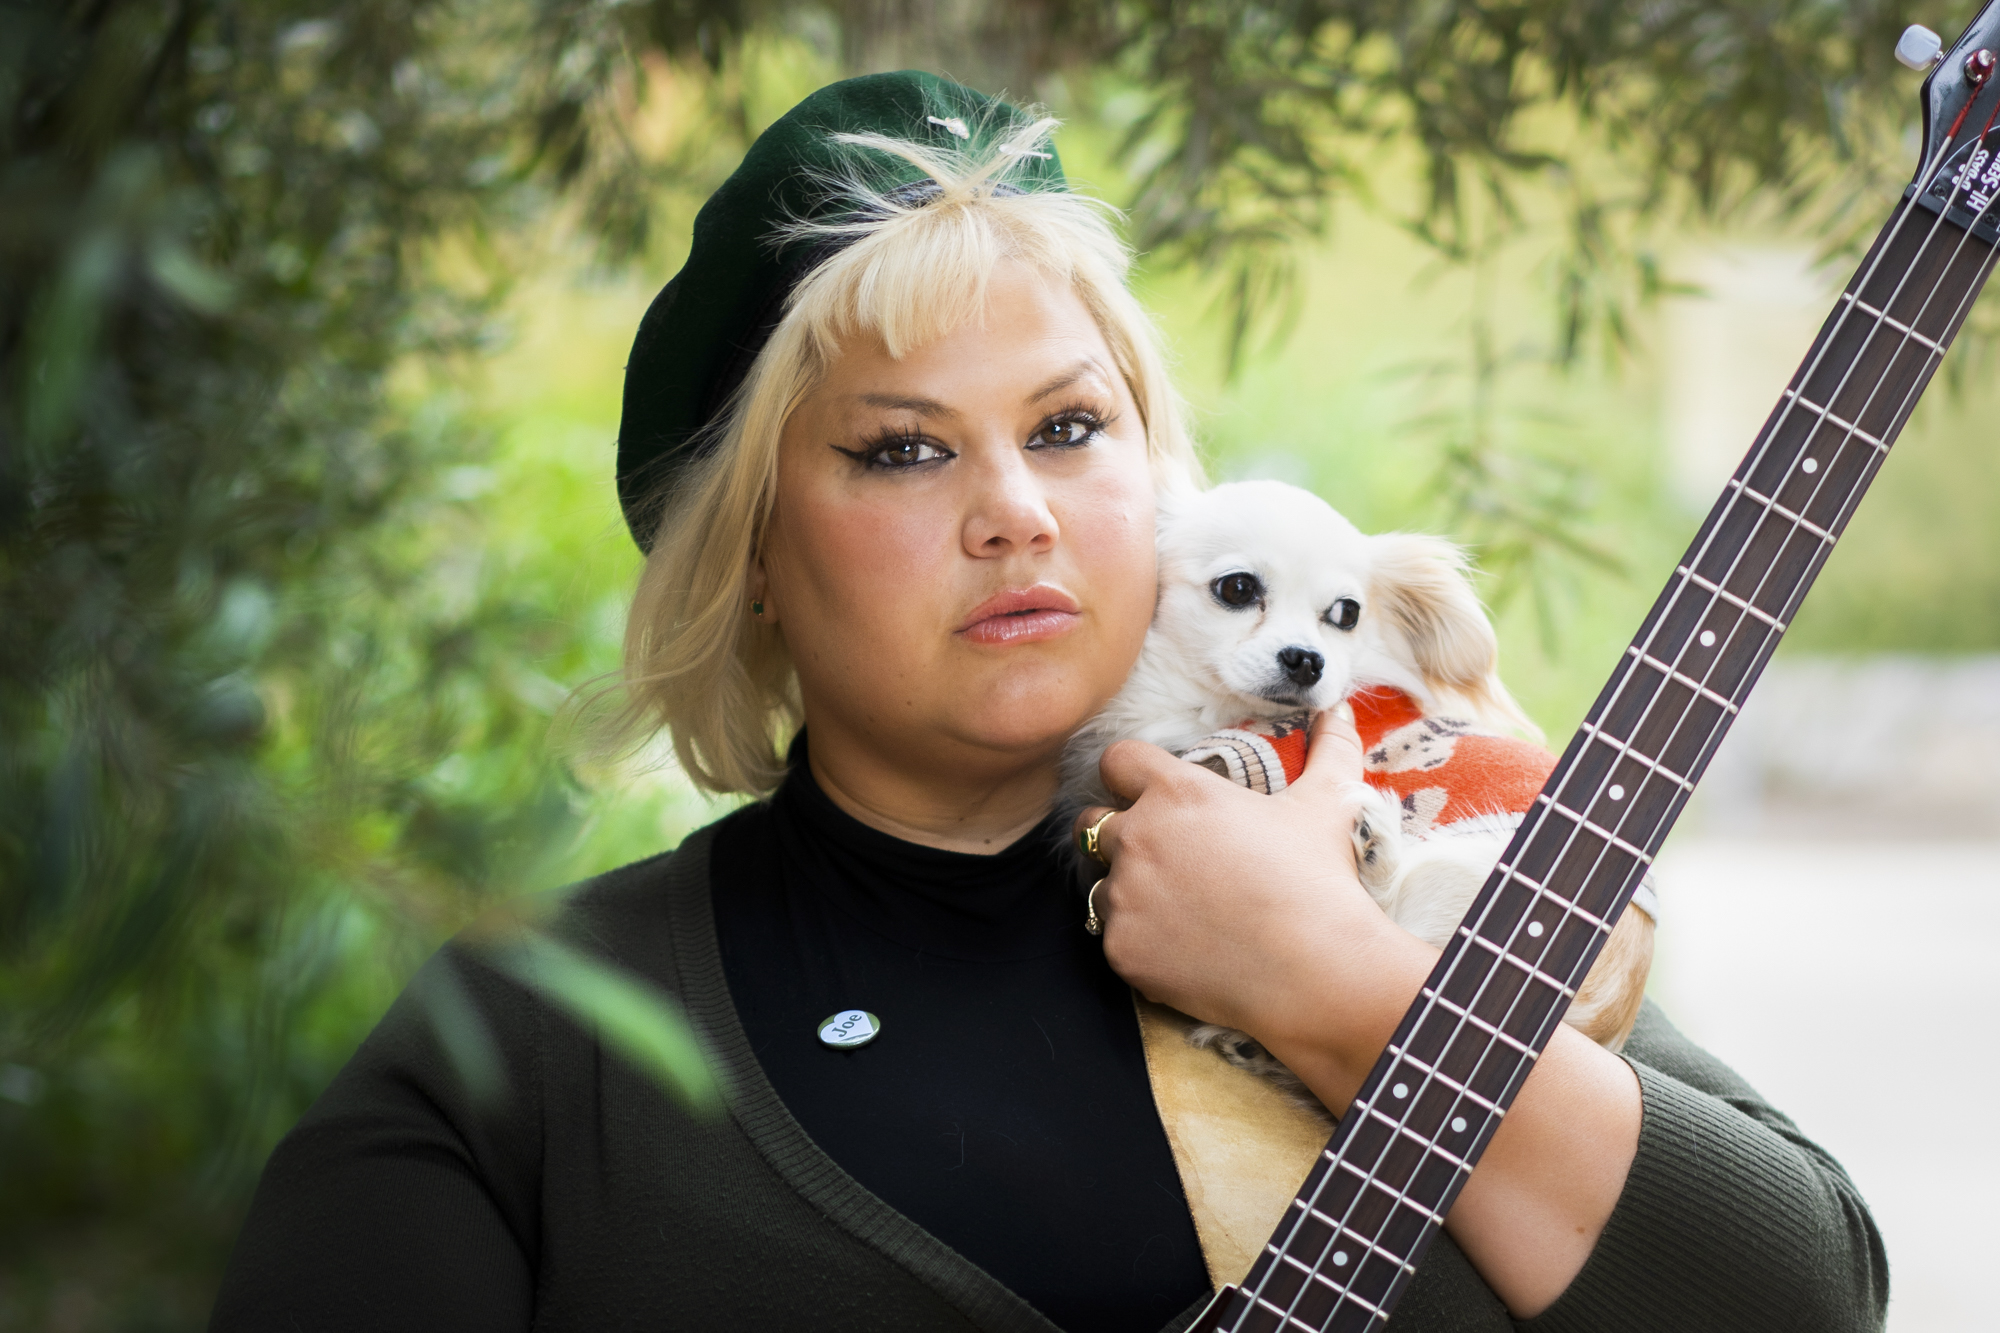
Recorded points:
(1856, 985)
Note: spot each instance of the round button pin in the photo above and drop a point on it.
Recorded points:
(850, 1028)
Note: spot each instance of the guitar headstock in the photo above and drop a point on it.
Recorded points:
(1959, 75)
(1958, 177)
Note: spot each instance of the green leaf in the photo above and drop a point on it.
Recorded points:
(634, 1018)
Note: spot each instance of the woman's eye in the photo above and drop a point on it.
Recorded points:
(1068, 431)
(1344, 614)
(904, 453)
(1238, 590)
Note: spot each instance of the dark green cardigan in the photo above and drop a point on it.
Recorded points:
(587, 1200)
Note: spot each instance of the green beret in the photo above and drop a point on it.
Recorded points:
(704, 329)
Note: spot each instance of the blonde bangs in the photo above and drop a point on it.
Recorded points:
(913, 265)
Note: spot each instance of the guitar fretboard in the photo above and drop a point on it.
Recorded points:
(1375, 1200)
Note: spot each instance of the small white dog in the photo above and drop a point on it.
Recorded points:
(1271, 604)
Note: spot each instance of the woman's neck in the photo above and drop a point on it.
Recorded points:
(978, 807)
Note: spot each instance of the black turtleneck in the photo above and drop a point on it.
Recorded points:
(1005, 1106)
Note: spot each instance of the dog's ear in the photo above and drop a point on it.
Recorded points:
(1420, 583)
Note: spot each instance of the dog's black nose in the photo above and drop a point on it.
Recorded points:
(1301, 665)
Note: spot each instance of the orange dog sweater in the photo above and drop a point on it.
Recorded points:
(1449, 776)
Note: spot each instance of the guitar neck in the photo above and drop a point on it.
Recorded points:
(1375, 1200)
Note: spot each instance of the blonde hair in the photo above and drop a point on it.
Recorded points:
(913, 266)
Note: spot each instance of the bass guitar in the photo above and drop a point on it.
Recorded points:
(1376, 1198)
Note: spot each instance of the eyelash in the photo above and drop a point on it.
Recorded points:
(869, 455)
(1094, 424)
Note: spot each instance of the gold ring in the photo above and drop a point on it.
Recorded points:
(1088, 840)
(1092, 922)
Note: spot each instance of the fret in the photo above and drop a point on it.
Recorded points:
(1478, 1022)
(1569, 907)
(1478, 1025)
(1310, 1270)
(1534, 973)
(1489, 991)
(1598, 829)
(1442, 1154)
(1337, 1231)
(1288, 1318)
(1626, 751)
(1464, 1052)
(1370, 1180)
(1340, 1258)
(1683, 678)
(1828, 415)
(1900, 327)
(1406, 1163)
(1796, 520)
(1609, 778)
(1311, 1276)
(1493, 1109)
(1744, 546)
(1718, 590)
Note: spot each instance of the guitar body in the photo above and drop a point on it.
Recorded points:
(1377, 1194)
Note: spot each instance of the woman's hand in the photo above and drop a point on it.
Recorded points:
(1244, 909)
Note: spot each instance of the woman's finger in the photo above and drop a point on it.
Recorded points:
(1099, 817)
(1333, 751)
(1129, 767)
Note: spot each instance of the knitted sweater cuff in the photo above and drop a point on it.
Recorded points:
(1724, 1222)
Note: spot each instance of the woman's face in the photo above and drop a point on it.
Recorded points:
(961, 552)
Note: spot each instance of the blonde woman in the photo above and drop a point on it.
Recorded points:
(892, 440)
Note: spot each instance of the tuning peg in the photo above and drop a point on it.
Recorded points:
(1919, 47)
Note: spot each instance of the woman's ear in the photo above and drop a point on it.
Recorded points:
(1420, 583)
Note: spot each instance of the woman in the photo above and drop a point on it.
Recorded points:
(892, 439)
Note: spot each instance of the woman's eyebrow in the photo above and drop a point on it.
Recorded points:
(896, 402)
(1086, 367)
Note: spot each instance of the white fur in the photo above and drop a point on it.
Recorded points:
(1206, 666)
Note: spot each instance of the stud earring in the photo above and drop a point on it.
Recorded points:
(756, 608)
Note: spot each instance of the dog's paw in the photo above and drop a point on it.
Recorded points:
(1378, 843)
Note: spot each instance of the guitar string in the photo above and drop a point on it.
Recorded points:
(1878, 325)
(1848, 438)
(1424, 1079)
(1926, 178)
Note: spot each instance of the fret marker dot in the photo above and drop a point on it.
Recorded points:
(1617, 792)
(1535, 929)
(1340, 1258)
(1708, 638)
(1810, 465)
(1401, 1090)
(1458, 1124)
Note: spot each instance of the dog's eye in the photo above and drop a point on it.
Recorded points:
(1238, 590)
(1344, 614)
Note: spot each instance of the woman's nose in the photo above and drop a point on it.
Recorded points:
(1008, 511)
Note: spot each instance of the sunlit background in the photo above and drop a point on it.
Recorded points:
(311, 540)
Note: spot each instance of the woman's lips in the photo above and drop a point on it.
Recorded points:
(1022, 615)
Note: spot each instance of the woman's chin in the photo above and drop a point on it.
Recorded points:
(1026, 713)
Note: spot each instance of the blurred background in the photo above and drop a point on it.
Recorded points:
(312, 325)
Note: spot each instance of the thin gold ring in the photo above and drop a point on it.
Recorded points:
(1092, 922)
(1090, 840)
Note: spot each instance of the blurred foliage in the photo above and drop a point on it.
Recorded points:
(292, 600)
